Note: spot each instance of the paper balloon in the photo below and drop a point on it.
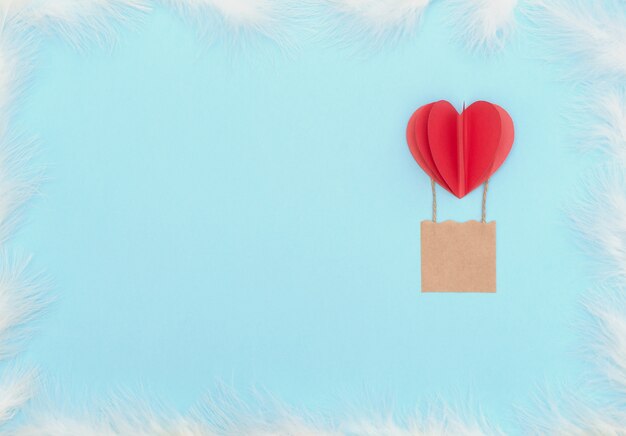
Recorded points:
(460, 151)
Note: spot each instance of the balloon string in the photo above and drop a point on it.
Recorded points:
(432, 184)
(486, 186)
(485, 189)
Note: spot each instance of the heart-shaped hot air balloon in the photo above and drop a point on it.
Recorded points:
(460, 151)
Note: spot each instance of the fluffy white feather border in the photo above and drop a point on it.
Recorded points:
(373, 21)
(590, 36)
(482, 25)
(598, 215)
(16, 388)
(606, 107)
(241, 22)
(593, 32)
(78, 21)
(225, 415)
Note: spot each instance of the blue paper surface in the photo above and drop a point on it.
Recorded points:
(254, 220)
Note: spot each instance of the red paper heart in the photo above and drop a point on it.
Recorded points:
(460, 151)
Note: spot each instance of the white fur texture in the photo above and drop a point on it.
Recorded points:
(483, 25)
(233, 418)
(588, 35)
(599, 408)
(11, 10)
(107, 424)
(602, 120)
(599, 216)
(16, 52)
(238, 21)
(20, 299)
(16, 388)
(570, 415)
(17, 181)
(378, 21)
(19, 296)
(606, 338)
(81, 21)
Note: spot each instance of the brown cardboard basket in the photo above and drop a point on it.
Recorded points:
(458, 257)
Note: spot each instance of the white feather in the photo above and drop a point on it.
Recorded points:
(80, 21)
(599, 216)
(606, 337)
(239, 21)
(20, 299)
(483, 25)
(16, 52)
(441, 421)
(590, 36)
(598, 409)
(602, 120)
(18, 181)
(16, 388)
(12, 10)
(235, 418)
(568, 414)
(107, 424)
(378, 21)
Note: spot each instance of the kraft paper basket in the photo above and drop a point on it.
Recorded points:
(458, 257)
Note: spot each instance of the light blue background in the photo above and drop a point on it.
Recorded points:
(255, 220)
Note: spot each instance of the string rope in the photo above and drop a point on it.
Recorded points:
(432, 184)
(485, 188)
(434, 191)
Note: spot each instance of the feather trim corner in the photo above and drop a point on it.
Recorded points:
(482, 25)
